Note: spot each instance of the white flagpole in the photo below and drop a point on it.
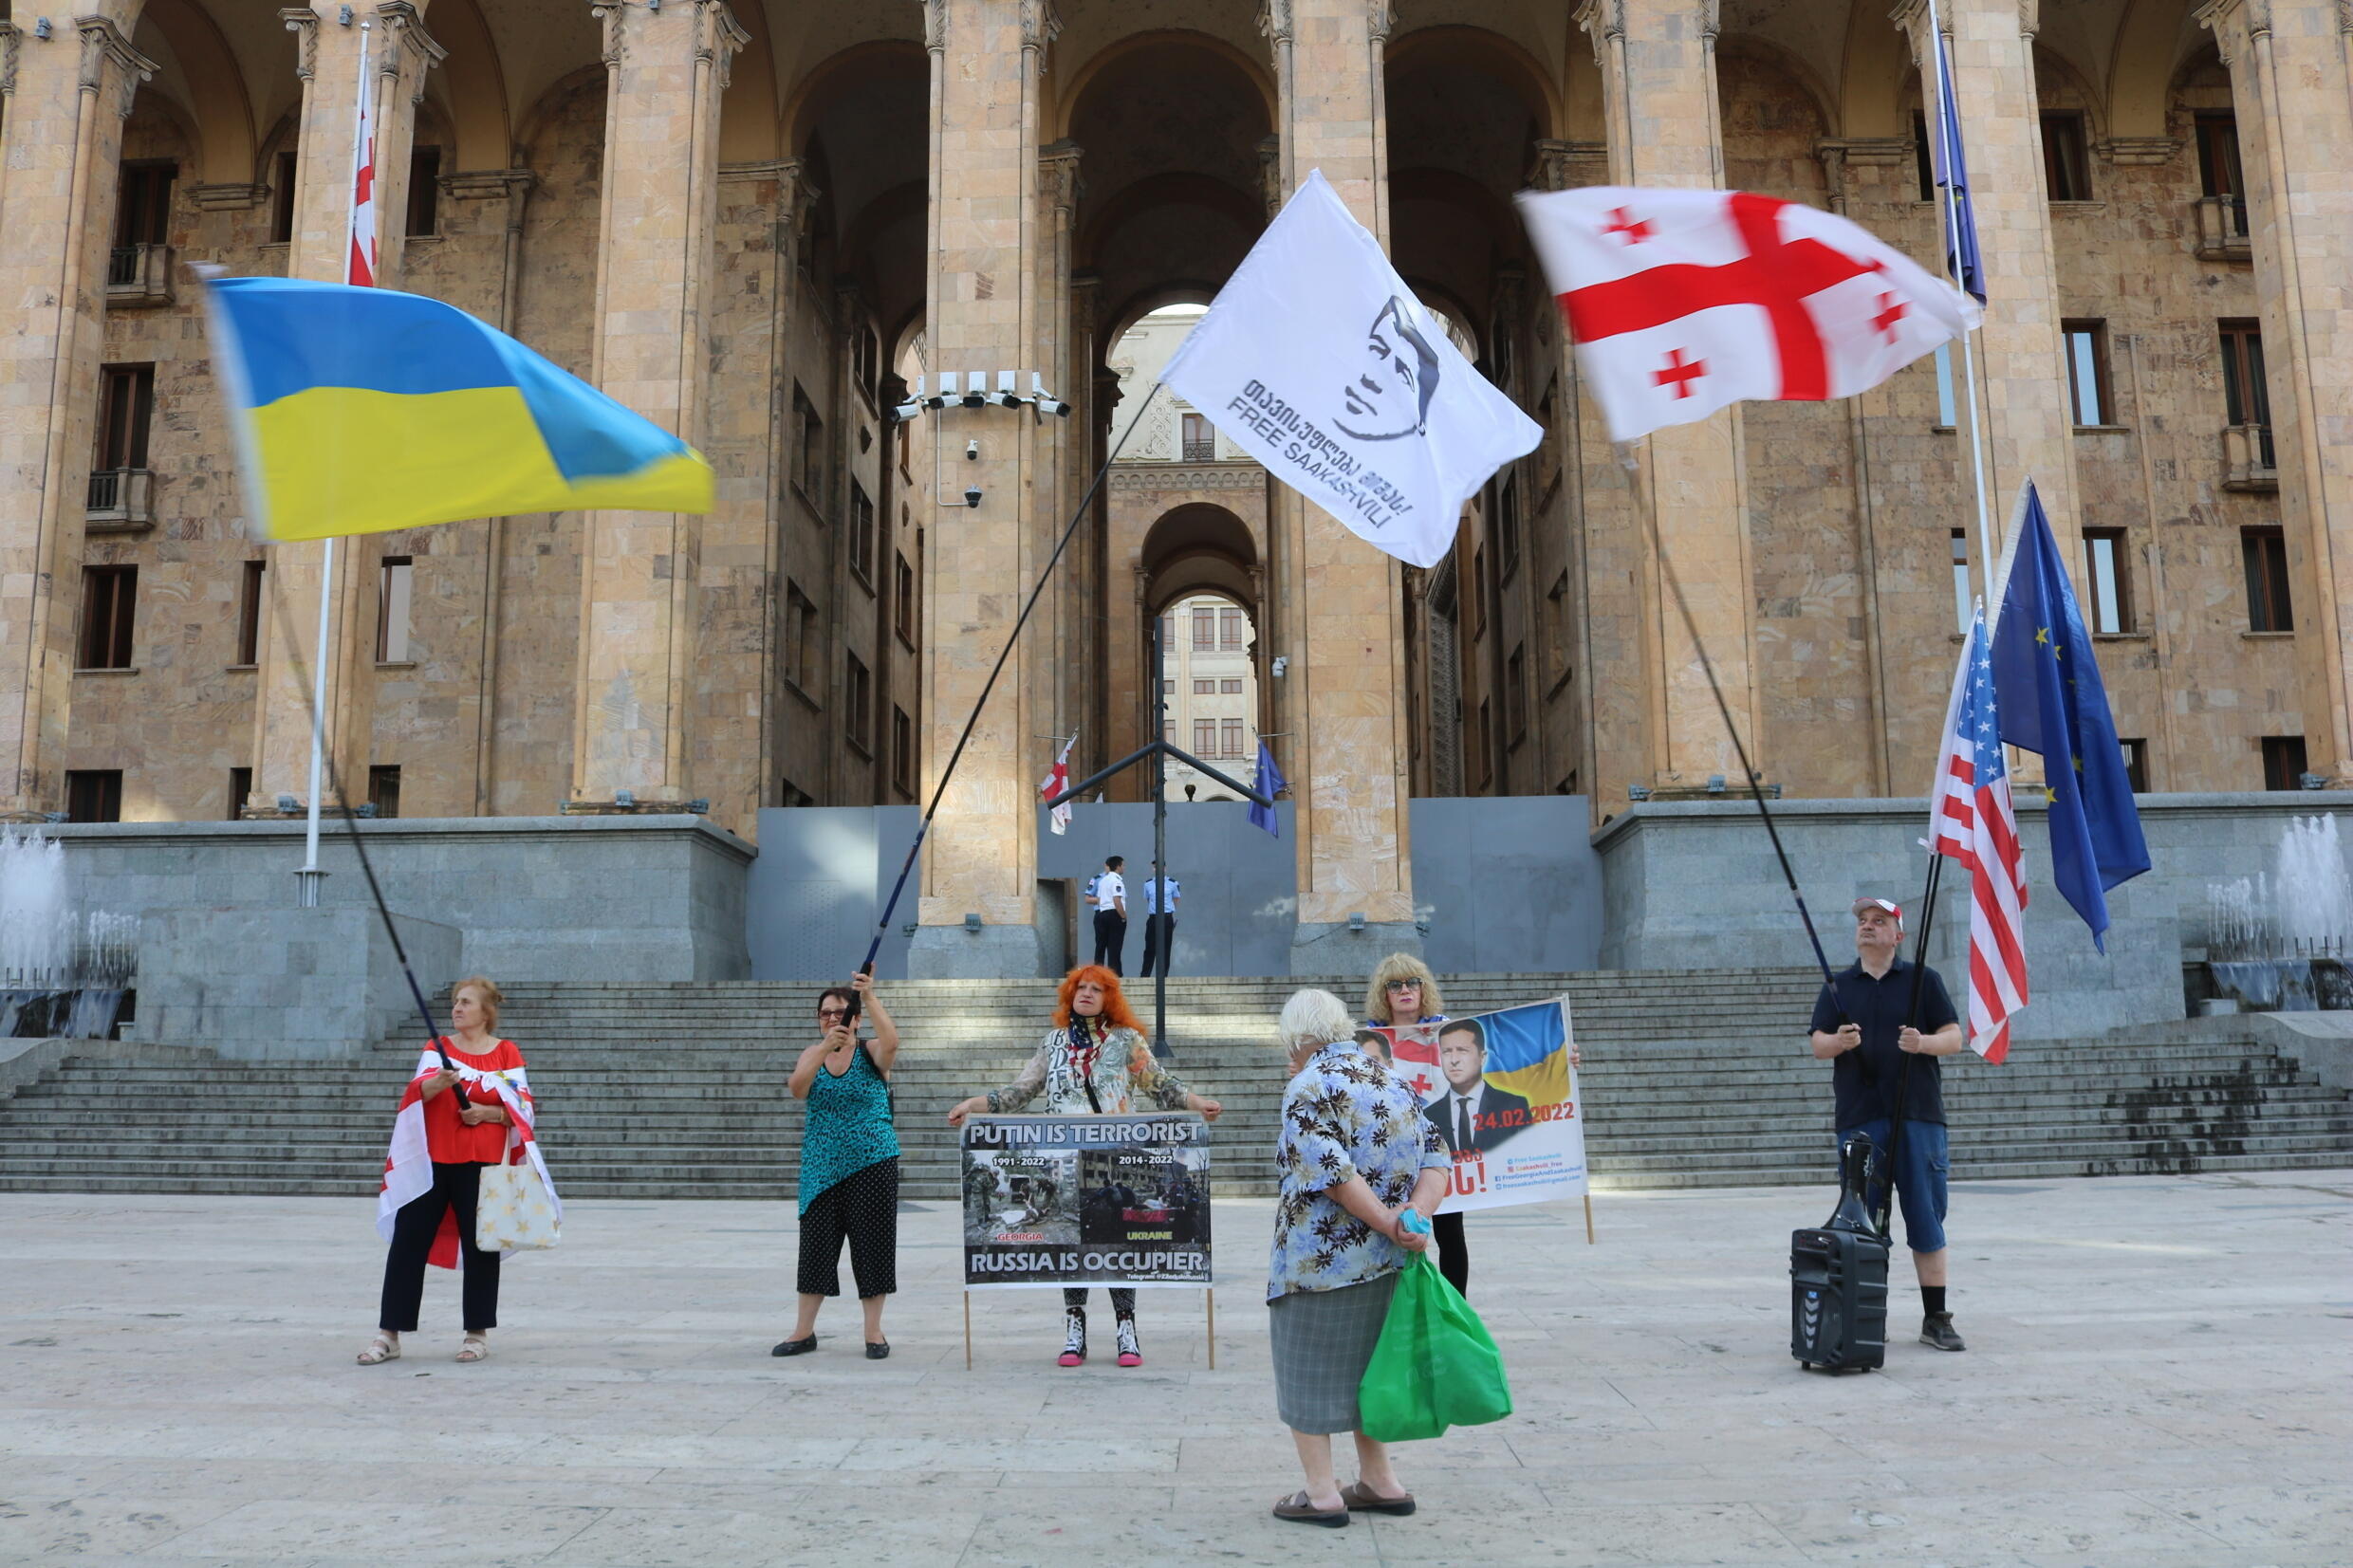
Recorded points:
(308, 876)
(1950, 113)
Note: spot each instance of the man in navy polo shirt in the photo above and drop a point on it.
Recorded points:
(1866, 1031)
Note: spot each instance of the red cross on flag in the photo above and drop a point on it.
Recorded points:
(1682, 302)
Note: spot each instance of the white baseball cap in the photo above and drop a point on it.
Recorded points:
(1889, 905)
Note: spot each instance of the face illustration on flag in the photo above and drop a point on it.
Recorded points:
(1317, 360)
(1684, 301)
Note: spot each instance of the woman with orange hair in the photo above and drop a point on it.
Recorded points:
(1094, 1062)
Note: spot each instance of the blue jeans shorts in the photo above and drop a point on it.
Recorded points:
(1920, 1183)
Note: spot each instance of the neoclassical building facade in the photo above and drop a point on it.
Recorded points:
(767, 224)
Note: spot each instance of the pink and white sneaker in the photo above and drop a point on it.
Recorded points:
(1131, 1354)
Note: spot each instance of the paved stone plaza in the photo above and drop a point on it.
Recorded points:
(2157, 1378)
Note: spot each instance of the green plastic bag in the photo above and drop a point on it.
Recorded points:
(1435, 1367)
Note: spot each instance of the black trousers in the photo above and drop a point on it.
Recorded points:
(1123, 1300)
(458, 1186)
(1453, 1252)
(1159, 941)
(1111, 940)
(861, 1208)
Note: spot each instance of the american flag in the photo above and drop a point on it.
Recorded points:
(1972, 821)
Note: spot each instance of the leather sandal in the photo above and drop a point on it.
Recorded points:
(381, 1349)
(1300, 1511)
(1357, 1495)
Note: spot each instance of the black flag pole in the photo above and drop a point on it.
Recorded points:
(1912, 1013)
(1012, 640)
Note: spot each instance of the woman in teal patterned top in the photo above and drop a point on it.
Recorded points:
(849, 1165)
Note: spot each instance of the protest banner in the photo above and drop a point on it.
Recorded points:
(1111, 1200)
(1500, 1089)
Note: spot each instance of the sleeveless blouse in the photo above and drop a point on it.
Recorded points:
(849, 1128)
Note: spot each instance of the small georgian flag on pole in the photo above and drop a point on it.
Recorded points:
(1055, 783)
(1684, 301)
(360, 270)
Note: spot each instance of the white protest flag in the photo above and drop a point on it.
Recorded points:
(1682, 302)
(1317, 360)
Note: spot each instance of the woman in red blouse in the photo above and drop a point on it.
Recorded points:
(437, 1223)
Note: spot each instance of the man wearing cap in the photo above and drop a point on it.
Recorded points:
(1864, 1025)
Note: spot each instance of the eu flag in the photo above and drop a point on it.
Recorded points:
(1269, 783)
(2047, 687)
(1961, 258)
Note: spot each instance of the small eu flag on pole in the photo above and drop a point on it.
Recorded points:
(1268, 782)
(1961, 260)
(2047, 687)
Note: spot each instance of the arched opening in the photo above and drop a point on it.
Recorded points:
(1198, 575)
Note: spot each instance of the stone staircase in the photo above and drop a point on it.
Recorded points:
(674, 1090)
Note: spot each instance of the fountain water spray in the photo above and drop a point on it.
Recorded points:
(63, 970)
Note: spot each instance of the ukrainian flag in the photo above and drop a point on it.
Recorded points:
(1528, 1052)
(363, 410)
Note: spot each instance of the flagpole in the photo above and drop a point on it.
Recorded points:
(1949, 113)
(308, 878)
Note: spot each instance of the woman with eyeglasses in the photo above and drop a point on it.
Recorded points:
(1402, 991)
(849, 1165)
(1095, 1062)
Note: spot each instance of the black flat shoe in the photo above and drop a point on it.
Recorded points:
(796, 1347)
(878, 1350)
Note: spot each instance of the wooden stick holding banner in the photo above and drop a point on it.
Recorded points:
(1209, 1300)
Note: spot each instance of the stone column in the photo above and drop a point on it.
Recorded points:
(666, 71)
(2021, 369)
(64, 98)
(328, 62)
(988, 223)
(1658, 66)
(1341, 603)
(1056, 690)
(2291, 86)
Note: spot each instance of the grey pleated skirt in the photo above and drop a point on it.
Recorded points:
(1323, 1339)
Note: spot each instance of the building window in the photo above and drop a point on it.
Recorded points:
(862, 533)
(866, 362)
(2265, 553)
(250, 612)
(1204, 631)
(1556, 623)
(2104, 563)
(1230, 736)
(1947, 404)
(857, 693)
(1205, 737)
(1168, 687)
(384, 789)
(810, 471)
(1230, 687)
(1476, 621)
(2067, 165)
(1168, 633)
(1202, 688)
(126, 405)
(1482, 730)
(902, 751)
(902, 600)
(94, 794)
(800, 641)
(281, 201)
(240, 790)
(2088, 370)
(2136, 764)
(1963, 601)
(2218, 172)
(109, 600)
(1508, 526)
(1923, 160)
(143, 212)
(1515, 693)
(394, 583)
(1201, 445)
(2246, 396)
(2283, 764)
(1230, 630)
(424, 191)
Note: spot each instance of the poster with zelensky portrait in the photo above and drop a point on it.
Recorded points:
(1110, 1200)
(1318, 360)
(1500, 1089)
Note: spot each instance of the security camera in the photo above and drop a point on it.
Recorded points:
(971, 452)
(1054, 406)
(972, 496)
(907, 410)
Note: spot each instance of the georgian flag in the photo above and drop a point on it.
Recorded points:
(408, 1164)
(1684, 301)
(1055, 783)
(360, 266)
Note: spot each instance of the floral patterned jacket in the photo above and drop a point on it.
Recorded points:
(1120, 1070)
(1345, 1115)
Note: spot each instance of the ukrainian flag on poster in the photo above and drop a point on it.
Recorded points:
(1528, 1052)
(363, 409)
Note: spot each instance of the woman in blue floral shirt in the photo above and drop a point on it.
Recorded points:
(1355, 1154)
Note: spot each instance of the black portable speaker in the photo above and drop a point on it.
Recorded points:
(1837, 1278)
